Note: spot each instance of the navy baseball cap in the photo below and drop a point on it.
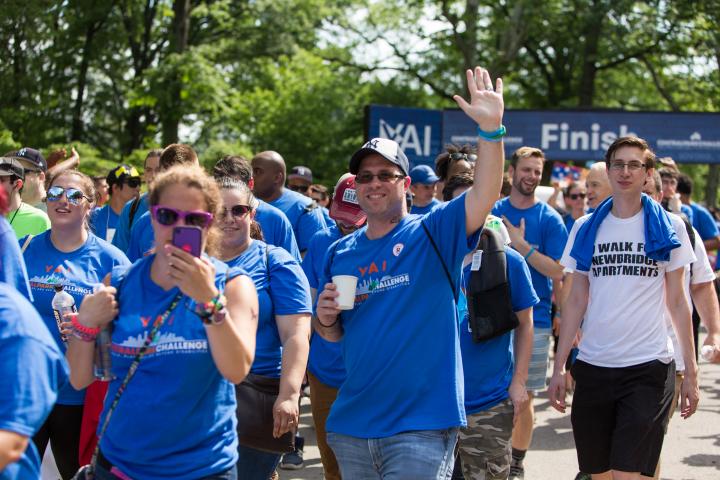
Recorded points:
(301, 173)
(31, 159)
(388, 149)
(423, 174)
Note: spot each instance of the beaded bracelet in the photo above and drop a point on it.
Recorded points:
(206, 310)
(86, 334)
(494, 136)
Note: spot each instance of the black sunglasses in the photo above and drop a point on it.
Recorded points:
(385, 177)
(237, 211)
(575, 196)
(133, 182)
(299, 188)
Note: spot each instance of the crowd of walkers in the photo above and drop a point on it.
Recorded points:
(171, 333)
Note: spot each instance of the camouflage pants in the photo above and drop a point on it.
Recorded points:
(485, 444)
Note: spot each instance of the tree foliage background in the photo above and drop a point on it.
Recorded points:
(116, 77)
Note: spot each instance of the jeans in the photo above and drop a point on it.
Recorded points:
(255, 464)
(103, 474)
(415, 455)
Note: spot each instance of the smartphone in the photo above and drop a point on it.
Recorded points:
(189, 239)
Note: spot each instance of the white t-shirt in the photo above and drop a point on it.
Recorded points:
(701, 272)
(625, 317)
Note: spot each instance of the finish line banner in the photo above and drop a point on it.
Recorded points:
(562, 135)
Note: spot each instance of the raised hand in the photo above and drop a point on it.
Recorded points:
(486, 104)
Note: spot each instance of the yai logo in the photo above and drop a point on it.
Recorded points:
(406, 135)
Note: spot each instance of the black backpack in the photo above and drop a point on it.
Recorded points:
(488, 291)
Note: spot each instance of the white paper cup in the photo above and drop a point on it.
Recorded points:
(346, 285)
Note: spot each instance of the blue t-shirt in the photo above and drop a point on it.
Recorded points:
(78, 271)
(12, 263)
(142, 238)
(704, 222)
(688, 212)
(326, 215)
(276, 228)
(122, 233)
(176, 419)
(325, 360)
(400, 344)
(423, 210)
(104, 220)
(544, 230)
(305, 223)
(568, 221)
(282, 290)
(488, 366)
(32, 372)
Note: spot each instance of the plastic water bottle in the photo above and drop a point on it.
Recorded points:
(103, 364)
(707, 351)
(62, 304)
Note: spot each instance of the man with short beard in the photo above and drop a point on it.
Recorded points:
(536, 232)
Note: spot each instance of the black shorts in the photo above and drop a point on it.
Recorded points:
(619, 415)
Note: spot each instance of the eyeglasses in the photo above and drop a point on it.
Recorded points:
(73, 195)
(237, 211)
(632, 165)
(299, 188)
(133, 182)
(575, 196)
(385, 177)
(169, 217)
(470, 157)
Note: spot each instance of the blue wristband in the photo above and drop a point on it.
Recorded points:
(494, 136)
(530, 252)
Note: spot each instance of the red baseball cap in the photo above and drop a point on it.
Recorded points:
(345, 208)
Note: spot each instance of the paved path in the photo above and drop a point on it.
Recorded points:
(691, 450)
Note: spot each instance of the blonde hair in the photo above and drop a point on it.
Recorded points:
(88, 188)
(192, 176)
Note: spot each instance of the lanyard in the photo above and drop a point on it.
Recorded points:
(15, 214)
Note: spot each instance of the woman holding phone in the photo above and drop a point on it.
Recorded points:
(175, 418)
(283, 335)
(69, 255)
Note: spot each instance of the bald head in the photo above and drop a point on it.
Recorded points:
(598, 184)
(269, 173)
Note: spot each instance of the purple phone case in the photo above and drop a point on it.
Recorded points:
(188, 238)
